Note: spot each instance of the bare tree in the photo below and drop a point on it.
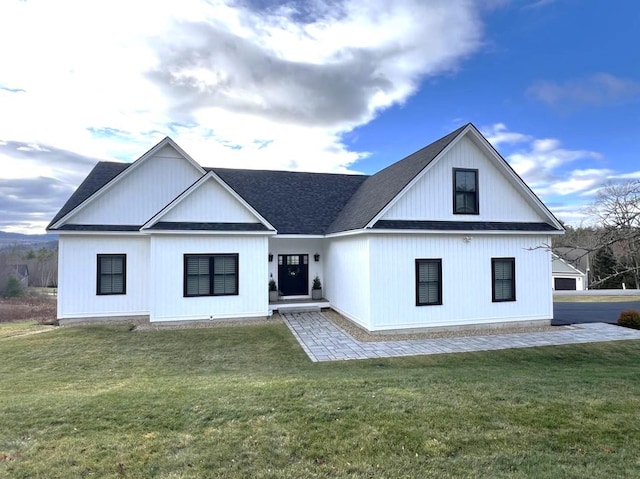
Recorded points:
(617, 209)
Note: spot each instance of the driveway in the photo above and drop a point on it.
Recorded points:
(578, 313)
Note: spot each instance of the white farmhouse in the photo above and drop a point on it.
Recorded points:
(448, 236)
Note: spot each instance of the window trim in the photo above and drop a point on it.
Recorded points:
(477, 192)
(420, 261)
(99, 273)
(211, 257)
(493, 279)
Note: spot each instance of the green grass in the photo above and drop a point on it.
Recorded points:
(595, 299)
(103, 401)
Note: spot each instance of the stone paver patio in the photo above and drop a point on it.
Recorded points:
(322, 340)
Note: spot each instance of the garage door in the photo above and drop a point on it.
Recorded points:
(564, 284)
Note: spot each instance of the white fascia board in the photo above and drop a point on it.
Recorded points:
(482, 143)
(96, 233)
(127, 171)
(348, 233)
(211, 233)
(294, 236)
(168, 141)
(417, 178)
(208, 176)
(564, 274)
(576, 270)
(174, 202)
(465, 232)
(441, 232)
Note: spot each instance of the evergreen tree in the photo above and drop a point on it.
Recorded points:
(13, 288)
(604, 267)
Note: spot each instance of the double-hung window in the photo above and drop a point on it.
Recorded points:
(210, 274)
(503, 272)
(465, 192)
(112, 274)
(428, 282)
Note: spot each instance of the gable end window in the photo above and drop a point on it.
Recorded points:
(112, 274)
(428, 282)
(465, 192)
(503, 272)
(210, 274)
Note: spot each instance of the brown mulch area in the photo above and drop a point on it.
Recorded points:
(38, 308)
(361, 335)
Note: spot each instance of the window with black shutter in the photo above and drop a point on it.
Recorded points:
(503, 271)
(428, 282)
(211, 275)
(112, 274)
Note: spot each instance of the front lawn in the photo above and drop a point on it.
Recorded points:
(104, 401)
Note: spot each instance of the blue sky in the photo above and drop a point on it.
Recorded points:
(339, 86)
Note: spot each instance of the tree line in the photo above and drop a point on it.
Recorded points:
(612, 243)
(22, 266)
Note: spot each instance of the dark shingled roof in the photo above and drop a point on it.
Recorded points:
(293, 202)
(182, 226)
(461, 225)
(378, 190)
(101, 174)
(306, 203)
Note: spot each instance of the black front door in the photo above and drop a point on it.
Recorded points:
(293, 274)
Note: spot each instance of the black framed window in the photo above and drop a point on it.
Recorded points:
(465, 192)
(428, 282)
(112, 274)
(503, 276)
(210, 274)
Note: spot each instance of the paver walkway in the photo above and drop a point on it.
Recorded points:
(322, 340)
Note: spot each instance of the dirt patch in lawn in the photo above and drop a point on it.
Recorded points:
(38, 308)
(361, 335)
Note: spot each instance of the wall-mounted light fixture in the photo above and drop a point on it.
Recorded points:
(467, 239)
(316, 257)
(270, 257)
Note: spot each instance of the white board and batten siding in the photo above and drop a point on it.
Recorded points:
(210, 202)
(167, 277)
(431, 197)
(466, 280)
(139, 195)
(77, 276)
(348, 273)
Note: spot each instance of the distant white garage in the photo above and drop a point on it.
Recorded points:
(566, 277)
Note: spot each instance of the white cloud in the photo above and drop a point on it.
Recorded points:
(558, 175)
(498, 134)
(543, 162)
(634, 175)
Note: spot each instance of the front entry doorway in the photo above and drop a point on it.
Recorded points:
(293, 274)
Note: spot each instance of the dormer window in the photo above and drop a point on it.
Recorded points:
(465, 192)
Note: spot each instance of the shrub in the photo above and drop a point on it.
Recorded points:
(316, 283)
(629, 319)
(272, 285)
(13, 288)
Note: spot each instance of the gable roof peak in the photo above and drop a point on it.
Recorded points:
(380, 189)
(97, 184)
